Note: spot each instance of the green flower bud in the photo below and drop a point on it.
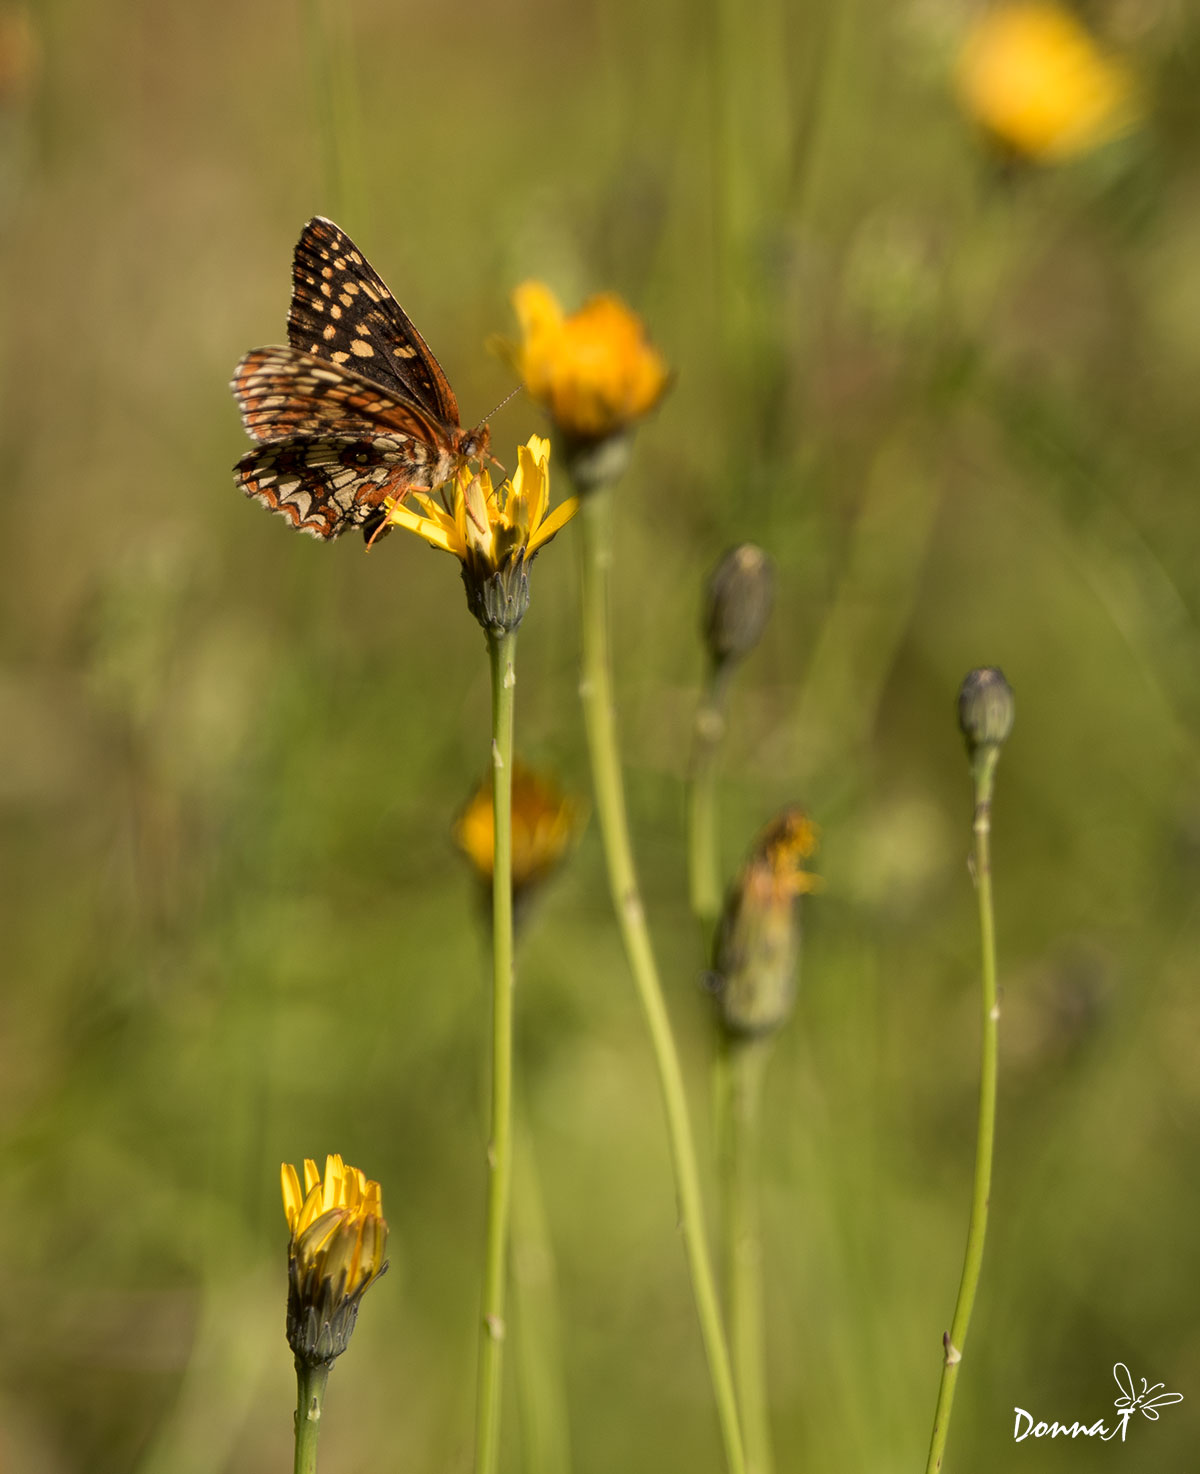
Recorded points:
(985, 708)
(737, 603)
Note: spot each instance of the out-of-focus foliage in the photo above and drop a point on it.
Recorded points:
(953, 397)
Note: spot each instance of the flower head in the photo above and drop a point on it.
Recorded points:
(595, 370)
(336, 1252)
(545, 821)
(1033, 77)
(495, 532)
(757, 947)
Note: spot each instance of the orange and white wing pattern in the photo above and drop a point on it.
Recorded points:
(325, 484)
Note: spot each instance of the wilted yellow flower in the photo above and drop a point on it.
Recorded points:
(757, 948)
(595, 370)
(336, 1252)
(1034, 78)
(495, 532)
(788, 840)
(544, 823)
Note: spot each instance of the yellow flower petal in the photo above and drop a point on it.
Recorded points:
(293, 1200)
(425, 527)
(554, 523)
(537, 309)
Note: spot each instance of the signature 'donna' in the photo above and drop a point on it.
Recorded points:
(1147, 1401)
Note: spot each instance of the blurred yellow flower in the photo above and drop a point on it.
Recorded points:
(595, 370)
(545, 821)
(1034, 78)
(336, 1252)
(495, 532)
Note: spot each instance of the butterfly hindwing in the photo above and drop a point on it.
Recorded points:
(281, 391)
(341, 311)
(324, 484)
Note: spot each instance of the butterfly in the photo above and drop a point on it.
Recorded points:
(355, 410)
(1132, 1400)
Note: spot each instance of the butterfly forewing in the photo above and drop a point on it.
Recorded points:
(341, 311)
(325, 484)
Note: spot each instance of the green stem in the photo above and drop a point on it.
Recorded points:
(310, 1398)
(502, 649)
(955, 1338)
(741, 1063)
(704, 864)
(545, 1432)
(600, 720)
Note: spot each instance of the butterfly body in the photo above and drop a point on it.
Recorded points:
(355, 410)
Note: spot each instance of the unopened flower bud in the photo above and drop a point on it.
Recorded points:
(985, 709)
(757, 950)
(737, 603)
(336, 1252)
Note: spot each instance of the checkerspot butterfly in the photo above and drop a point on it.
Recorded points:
(356, 409)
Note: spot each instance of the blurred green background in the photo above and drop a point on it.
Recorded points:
(955, 396)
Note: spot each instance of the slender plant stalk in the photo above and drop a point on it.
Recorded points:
(737, 1075)
(545, 1431)
(955, 1339)
(502, 648)
(310, 1398)
(600, 720)
(737, 1079)
(704, 865)
(741, 1064)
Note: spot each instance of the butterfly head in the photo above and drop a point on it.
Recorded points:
(472, 445)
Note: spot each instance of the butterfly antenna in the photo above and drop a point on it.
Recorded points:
(487, 455)
(502, 403)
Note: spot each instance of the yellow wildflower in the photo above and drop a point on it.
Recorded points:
(595, 370)
(544, 823)
(336, 1252)
(495, 532)
(1034, 78)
